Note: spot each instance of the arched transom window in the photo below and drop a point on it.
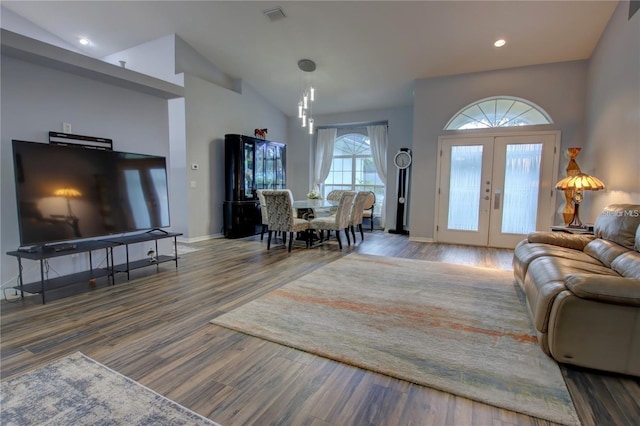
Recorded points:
(498, 111)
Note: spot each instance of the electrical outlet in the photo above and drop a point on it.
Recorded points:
(66, 127)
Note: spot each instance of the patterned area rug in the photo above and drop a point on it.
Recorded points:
(460, 329)
(78, 390)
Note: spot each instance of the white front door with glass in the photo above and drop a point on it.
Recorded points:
(494, 190)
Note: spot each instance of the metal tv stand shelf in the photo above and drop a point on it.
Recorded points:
(153, 235)
(43, 253)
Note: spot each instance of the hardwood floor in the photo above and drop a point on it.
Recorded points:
(155, 329)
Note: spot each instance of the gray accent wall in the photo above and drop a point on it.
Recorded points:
(38, 99)
(560, 89)
(612, 145)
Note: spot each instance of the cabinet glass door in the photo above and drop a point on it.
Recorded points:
(249, 173)
(260, 166)
(281, 180)
(270, 166)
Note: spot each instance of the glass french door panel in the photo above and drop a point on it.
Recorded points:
(521, 188)
(465, 180)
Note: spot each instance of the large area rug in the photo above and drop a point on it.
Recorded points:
(460, 329)
(78, 390)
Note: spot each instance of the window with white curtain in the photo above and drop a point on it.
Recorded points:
(353, 169)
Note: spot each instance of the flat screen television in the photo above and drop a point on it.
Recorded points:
(71, 193)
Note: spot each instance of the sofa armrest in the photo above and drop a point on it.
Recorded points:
(605, 288)
(561, 239)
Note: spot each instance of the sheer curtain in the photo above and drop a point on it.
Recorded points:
(378, 141)
(324, 156)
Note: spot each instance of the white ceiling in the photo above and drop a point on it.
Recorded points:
(368, 53)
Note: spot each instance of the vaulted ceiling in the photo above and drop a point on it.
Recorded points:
(368, 53)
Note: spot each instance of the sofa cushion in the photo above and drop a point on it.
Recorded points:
(545, 279)
(619, 223)
(524, 254)
(627, 264)
(561, 239)
(608, 289)
(604, 250)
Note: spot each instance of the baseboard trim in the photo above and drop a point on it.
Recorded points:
(421, 239)
(198, 239)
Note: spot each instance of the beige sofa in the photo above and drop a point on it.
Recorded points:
(583, 291)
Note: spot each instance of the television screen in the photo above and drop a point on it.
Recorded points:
(68, 193)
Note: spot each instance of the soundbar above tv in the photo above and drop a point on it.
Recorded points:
(69, 193)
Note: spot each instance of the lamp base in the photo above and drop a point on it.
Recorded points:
(575, 222)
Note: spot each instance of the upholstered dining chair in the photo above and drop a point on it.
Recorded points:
(368, 208)
(357, 213)
(334, 195)
(337, 222)
(263, 211)
(282, 218)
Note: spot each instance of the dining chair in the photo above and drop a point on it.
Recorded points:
(334, 195)
(263, 212)
(337, 222)
(357, 213)
(368, 208)
(282, 217)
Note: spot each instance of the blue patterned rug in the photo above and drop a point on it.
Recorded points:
(78, 390)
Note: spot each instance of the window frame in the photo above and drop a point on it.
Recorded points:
(377, 188)
(487, 124)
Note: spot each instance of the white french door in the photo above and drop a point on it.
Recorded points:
(494, 190)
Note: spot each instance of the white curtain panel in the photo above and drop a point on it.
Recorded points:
(324, 156)
(378, 141)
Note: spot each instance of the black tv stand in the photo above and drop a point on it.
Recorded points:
(141, 238)
(150, 231)
(42, 253)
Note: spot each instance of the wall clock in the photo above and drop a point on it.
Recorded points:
(402, 160)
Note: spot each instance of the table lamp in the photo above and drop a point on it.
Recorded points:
(577, 184)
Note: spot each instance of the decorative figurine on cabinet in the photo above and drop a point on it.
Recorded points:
(260, 133)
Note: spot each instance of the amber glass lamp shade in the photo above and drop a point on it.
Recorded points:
(577, 184)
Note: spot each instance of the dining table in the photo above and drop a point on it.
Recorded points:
(314, 207)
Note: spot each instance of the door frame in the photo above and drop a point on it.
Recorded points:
(481, 134)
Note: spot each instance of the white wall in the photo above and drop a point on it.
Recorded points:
(612, 146)
(17, 24)
(154, 58)
(558, 88)
(301, 149)
(211, 113)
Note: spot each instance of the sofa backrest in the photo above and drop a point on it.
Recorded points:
(619, 223)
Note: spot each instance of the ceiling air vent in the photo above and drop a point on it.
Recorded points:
(274, 14)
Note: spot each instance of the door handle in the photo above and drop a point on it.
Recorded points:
(496, 199)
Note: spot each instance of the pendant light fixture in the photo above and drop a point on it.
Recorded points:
(308, 95)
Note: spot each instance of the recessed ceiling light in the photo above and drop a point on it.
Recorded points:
(500, 43)
(85, 41)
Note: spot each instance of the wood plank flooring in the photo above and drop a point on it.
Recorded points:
(155, 329)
